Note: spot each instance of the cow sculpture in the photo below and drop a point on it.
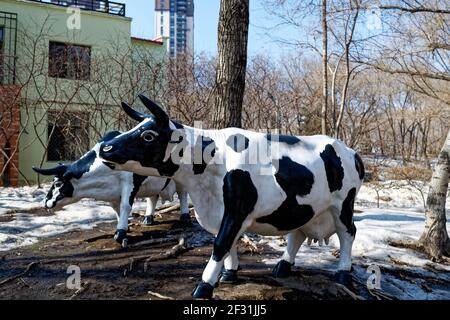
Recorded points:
(303, 187)
(88, 177)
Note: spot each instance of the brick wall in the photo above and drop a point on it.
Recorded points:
(9, 133)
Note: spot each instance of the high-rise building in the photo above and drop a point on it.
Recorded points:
(175, 19)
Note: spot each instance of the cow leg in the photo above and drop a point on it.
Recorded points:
(149, 217)
(294, 241)
(225, 242)
(343, 274)
(346, 231)
(210, 276)
(231, 264)
(116, 207)
(122, 225)
(184, 206)
(240, 197)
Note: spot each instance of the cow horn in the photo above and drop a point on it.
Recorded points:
(58, 170)
(160, 115)
(133, 114)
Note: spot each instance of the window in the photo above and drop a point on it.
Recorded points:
(69, 61)
(68, 135)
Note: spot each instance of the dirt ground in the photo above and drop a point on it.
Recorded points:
(153, 266)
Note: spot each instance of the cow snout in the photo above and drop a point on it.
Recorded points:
(49, 203)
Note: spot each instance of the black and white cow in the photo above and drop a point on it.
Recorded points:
(88, 177)
(303, 186)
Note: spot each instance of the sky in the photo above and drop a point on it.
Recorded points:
(206, 17)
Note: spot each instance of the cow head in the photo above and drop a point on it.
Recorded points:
(62, 187)
(67, 177)
(143, 149)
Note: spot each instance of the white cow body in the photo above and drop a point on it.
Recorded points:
(247, 181)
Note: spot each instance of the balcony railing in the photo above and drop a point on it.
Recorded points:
(109, 7)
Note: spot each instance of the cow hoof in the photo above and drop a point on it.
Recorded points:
(343, 277)
(148, 221)
(282, 269)
(203, 290)
(120, 235)
(185, 217)
(229, 276)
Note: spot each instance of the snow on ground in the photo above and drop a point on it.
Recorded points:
(26, 227)
(400, 216)
(21, 198)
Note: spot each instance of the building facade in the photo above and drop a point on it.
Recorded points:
(63, 74)
(174, 19)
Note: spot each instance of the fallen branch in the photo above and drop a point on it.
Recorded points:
(172, 253)
(160, 296)
(379, 295)
(353, 295)
(169, 209)
(153, 241)
(31, 265)
(80, 291)
(166, 208)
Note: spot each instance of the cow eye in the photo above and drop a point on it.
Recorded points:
(148, 135)
(58, 184)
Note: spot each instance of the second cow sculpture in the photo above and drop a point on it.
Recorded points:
(88, 177)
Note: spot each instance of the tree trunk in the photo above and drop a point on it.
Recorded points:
(324, 68)
(232, 62)
(434, 239)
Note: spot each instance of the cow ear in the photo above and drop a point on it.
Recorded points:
(160, 115)
(133, 114)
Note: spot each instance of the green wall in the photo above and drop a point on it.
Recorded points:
(112, 59)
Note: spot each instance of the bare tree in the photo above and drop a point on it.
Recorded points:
(324, 68)
(434, 239)
(232, 61)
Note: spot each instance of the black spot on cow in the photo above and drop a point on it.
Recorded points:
(239, 196)
(333, 168)
(347, 212)
(200, 157)
(238, 142)
(168, 168)
(359, 166)
(295, 180)
(137, 182)
(290, 140)
(289, 216)
(109, 136)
